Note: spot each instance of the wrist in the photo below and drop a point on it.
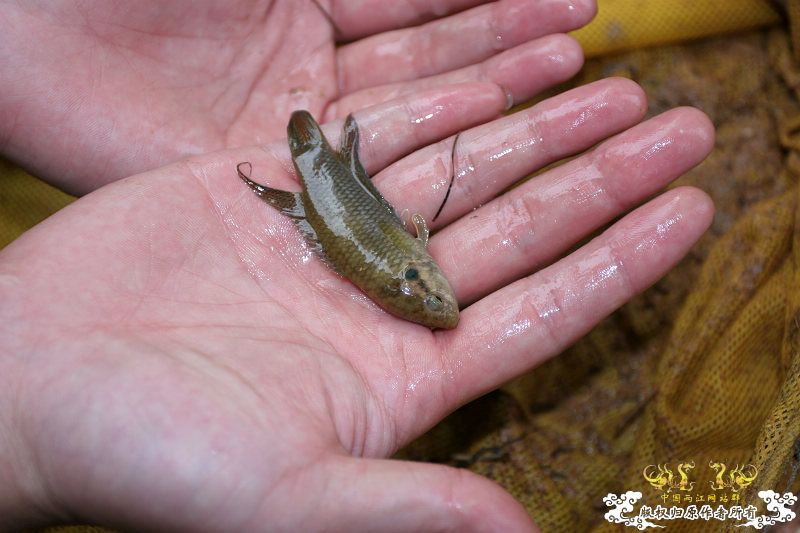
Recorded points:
(23, 500)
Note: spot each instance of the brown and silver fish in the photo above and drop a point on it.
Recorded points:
(356, 231)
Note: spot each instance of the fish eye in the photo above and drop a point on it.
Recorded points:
(433, 302)
(412, 274)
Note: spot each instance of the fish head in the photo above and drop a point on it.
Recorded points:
(426, 296)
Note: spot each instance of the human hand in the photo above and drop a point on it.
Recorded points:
(175, 358)
(96, 91)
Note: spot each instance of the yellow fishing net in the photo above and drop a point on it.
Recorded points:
(25, 201)
(703, 369)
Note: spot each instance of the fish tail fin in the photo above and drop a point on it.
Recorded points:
(288, 203)
(303, 133)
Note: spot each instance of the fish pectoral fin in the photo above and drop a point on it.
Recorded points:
(422, 228)
(348, 152)
(288, 203)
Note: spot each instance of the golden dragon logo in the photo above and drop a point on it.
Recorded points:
(662, 478)
(736, 479)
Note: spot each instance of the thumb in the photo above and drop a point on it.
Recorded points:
(389, 495)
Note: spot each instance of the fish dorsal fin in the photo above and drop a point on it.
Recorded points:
(349, 155)
(288, 203)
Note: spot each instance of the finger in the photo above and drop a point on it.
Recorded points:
(531, 225)
(366, 17)
(387, 495)
(392, 129)
(533, 319)
(523, 72)
(455, 41)
(491, 157)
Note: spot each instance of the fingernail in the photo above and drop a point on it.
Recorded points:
(509, 96)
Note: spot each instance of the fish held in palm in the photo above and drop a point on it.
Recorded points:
(355, 230)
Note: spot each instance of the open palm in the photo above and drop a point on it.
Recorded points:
(177, 358)
(96, 91)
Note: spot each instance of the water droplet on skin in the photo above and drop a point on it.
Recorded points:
(362, 299)
(420, 120)
(498, 155)
(432, 112)
(657, 148)
(439, 184)
(664, 227)
(498, 42)
(465, 170)
(578, 121)
(515, 329)
(598, 281)
(430, 374)
(549, 311)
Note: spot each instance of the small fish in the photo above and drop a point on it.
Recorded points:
(356, 231)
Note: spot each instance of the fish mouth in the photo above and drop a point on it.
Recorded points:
(446, 318)
(450, 321)
(439, 322)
